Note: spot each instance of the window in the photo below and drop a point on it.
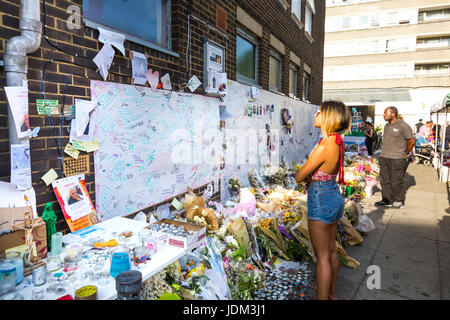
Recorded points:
(293, 81)
(391, 45)
(434, 15)
(306, 78)
(432, 69)
(346, 22)
(297, 8)
(151, 19)
(274, 72)
(246, 58)
(363, 21)
(375, 20)
(308, 20)
(393, 18)
(433, 42)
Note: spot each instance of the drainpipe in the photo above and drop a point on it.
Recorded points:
(17, 48)
(15, 56)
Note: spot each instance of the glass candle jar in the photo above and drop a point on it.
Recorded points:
(39, 276)
(74, 251)
(7, 276)
(120, 260)
(53, 263)
(140, 255)
(56, 243)
(17, 259)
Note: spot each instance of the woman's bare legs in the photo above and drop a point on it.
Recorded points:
(334, 261)
(320, 237)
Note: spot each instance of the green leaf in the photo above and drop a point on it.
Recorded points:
(169, 296)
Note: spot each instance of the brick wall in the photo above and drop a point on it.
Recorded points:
(68, 76)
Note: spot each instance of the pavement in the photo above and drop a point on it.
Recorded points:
(411, 246)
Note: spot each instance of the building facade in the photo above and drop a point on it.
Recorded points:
(276, 45)
(388, 52)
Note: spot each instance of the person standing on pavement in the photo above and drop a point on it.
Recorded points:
(418, 126)
(398, 141)
(370, 137)
(325, 201)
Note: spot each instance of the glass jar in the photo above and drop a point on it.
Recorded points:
(140, 255)
(53, 263)
(56, 244)
(149, 241)
(7, 276)
(120, 260)
(17, 258)
(74, 251)
(39, 276)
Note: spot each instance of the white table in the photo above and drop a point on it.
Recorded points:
(164, 257)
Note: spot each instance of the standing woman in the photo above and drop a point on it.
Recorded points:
(370, 137)
(325, 202)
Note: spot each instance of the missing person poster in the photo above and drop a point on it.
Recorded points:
(18, 103)
(75, 202)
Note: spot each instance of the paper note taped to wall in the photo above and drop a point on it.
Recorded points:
(79, 145)
(71, 151)
(91, 146)
(21, 166)
(167, 84)
(45, 107)
(194, 83)
(50, 176)
(104, 59)
(114, 38)
(82, 110)
(139, 66)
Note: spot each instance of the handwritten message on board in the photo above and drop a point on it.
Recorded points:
(140, 134)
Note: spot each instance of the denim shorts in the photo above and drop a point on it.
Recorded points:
(325, 202)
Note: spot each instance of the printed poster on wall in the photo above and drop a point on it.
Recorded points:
(75, 202)
(18, 103)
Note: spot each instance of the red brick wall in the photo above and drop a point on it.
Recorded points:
(68, 77)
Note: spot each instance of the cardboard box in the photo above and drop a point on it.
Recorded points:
(188, 243)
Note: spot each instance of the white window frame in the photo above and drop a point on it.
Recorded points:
(309, 11)
(277, 57)
(294, 68)
(297, 14)
(307, 76)
(254, 41)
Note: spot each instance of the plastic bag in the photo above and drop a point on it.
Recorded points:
(365, 224)
(247, 202)
(140, 217)
(216, 287)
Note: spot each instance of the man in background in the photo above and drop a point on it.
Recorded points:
(418, 126)
(398, 141)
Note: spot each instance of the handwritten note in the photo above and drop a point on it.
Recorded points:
(167, 84)
(194, 83)
(177, 204)
(79, 145)
(45, 107)
(91, 146)
(50, 176)
(71, 151)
